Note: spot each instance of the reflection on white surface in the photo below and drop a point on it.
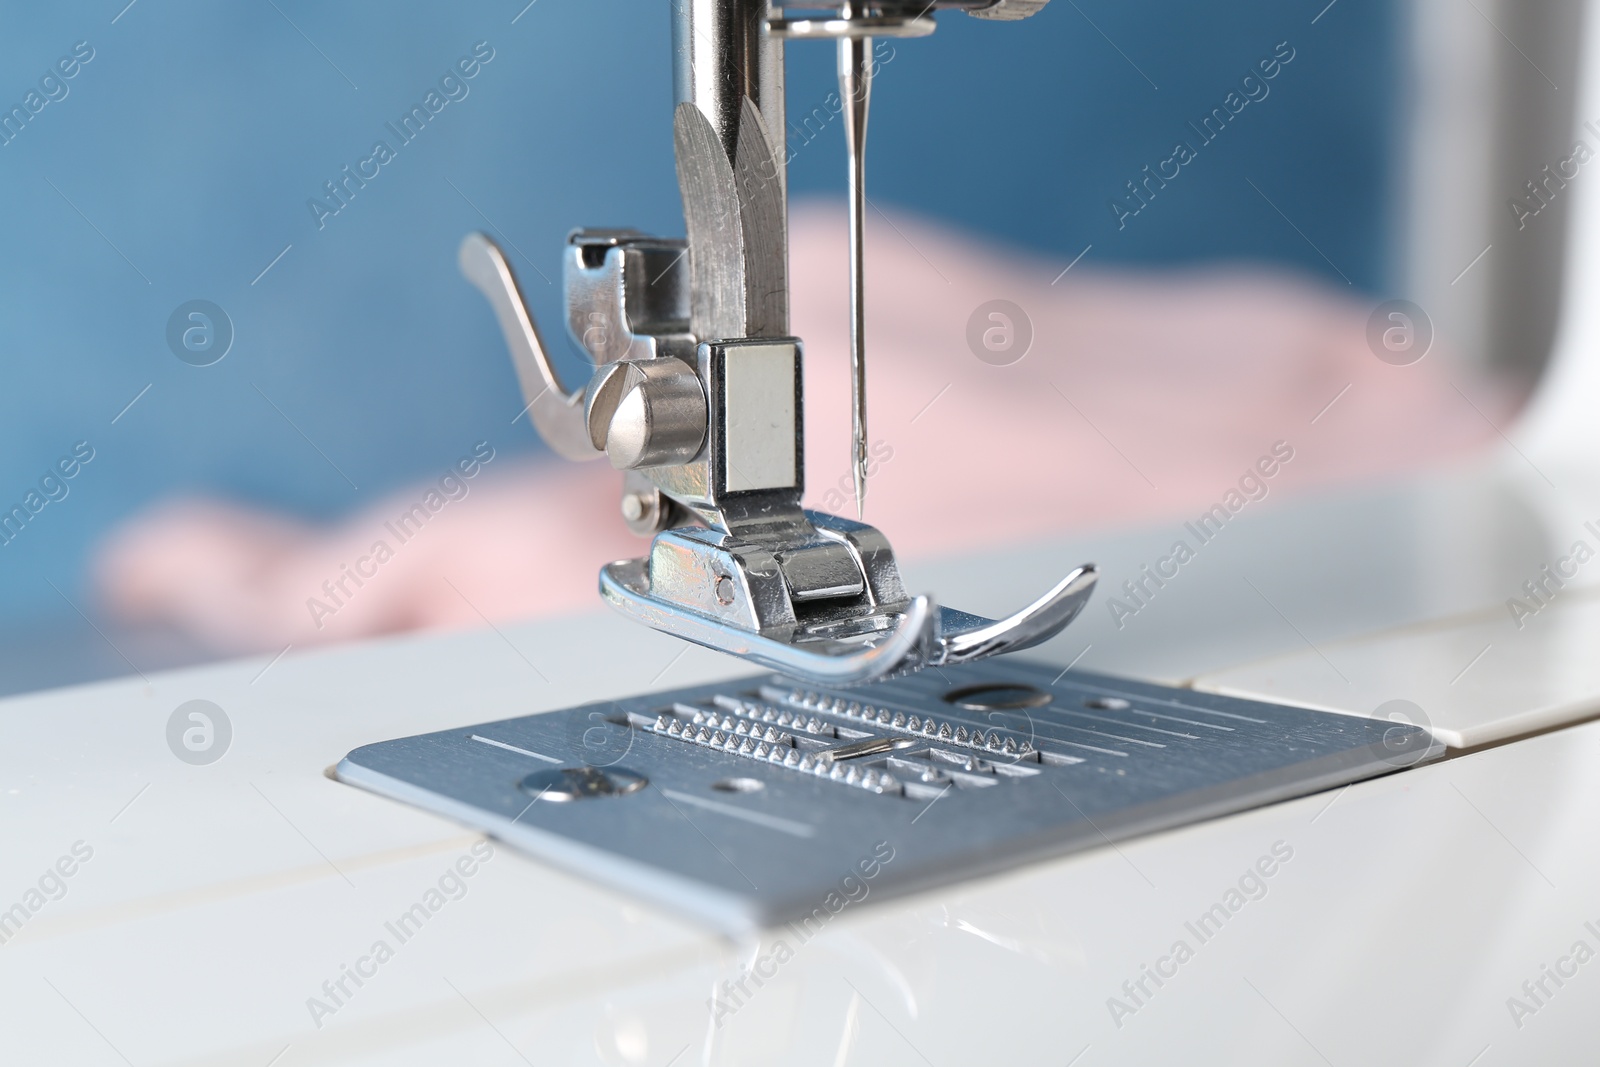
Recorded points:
(1478, 680)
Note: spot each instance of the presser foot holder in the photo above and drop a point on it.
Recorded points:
(744, 805)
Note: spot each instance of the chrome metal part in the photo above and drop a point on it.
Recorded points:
(556, 413)
(645, 508)
(1009, 10)
(627, 295)
(728, 96)
(965, 637)
(763, 793)
(696, 392)
(855, 91)
(872, 746)
(850, 28)
(646, 413)
(864, 642)
(888, 18)
(869, 648)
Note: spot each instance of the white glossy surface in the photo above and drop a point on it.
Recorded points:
(221, 897)
(1478, 679)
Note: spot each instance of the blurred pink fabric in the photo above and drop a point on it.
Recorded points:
(1143, 396)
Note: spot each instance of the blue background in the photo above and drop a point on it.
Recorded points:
(194, 138)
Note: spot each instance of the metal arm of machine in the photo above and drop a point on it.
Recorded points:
(696, 391)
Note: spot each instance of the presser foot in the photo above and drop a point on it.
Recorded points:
(848, 644)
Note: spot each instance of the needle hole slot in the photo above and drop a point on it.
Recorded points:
(997, 696)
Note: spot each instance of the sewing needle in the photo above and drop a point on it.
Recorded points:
(855, 86)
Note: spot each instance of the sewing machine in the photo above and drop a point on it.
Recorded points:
(1222, 843)
(697, 395)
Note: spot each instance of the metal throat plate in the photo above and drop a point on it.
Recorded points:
(746, 804)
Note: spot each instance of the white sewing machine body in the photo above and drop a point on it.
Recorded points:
(255, 910)
(1396, 921)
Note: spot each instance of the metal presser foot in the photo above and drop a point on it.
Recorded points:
(696, 391)
(855, 642)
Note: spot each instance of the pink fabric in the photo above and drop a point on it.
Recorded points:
(1144, 396)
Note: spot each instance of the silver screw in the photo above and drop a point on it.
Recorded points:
(724, 590)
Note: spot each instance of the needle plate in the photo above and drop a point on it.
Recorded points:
(746, 804)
